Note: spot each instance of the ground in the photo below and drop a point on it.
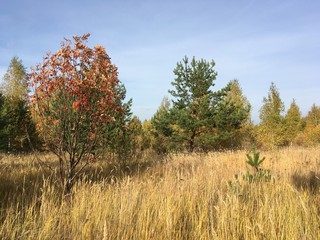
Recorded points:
(187, 196)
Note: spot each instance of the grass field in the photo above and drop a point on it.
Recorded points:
(185, 197)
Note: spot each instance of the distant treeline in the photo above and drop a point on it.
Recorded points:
(198, 118)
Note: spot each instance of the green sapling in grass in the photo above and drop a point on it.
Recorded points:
(255, 162)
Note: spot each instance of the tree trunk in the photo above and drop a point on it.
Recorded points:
(69, 180)
(191, 141)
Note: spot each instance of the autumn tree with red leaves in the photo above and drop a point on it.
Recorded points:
(76, 94)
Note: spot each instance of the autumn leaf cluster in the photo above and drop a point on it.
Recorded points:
(81, 78)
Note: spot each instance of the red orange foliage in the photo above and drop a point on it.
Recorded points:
(75, 95)
(84, 75)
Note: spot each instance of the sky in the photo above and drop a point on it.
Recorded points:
(254, 41)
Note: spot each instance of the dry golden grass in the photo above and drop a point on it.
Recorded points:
(188, 197)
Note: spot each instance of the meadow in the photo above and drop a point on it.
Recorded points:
(183, 196)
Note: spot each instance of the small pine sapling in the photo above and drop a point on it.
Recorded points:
(255, 162)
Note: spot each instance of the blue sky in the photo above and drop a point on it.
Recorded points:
(256, 42)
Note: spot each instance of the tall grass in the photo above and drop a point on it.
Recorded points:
(188, 197)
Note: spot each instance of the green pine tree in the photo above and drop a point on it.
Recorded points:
(198, 112)
(293, 122)
(118, 138)
(234, 112)
(18, 127)
(311, 133)
(271, 130)
(313, 116)
(162, 130)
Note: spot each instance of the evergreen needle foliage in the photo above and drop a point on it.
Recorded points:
(254, 160)
(201, 118)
